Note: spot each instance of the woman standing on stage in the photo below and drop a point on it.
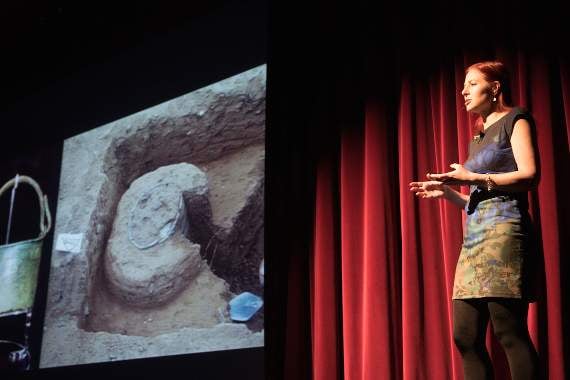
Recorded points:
(491, 278)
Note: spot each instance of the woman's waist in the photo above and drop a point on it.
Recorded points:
(481, 199)
(498, 210)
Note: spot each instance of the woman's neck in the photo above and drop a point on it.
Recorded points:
(493, 115)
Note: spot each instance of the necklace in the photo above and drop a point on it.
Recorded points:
(478, 138)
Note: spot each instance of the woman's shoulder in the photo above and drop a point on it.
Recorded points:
(519, 111)
(516, 113)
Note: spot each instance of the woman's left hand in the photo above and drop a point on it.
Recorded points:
(459, 176)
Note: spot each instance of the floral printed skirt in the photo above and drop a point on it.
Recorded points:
(493, 254)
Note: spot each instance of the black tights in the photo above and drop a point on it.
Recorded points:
(470, 319)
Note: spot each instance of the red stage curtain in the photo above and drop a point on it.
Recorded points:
(383, 262)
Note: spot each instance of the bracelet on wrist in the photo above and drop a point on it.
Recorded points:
(489, 183)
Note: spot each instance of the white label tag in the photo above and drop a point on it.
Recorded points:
(69, 242)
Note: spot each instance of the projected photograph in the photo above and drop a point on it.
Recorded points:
(158, 242)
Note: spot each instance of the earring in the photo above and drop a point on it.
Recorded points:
(494, 98)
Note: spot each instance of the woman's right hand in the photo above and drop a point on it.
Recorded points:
(428, 189)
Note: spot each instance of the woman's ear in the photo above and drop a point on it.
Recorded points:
(495, 87)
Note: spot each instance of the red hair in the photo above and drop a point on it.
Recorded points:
(494, 71)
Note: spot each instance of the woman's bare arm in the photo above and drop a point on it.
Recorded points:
(457, 198)
(437, 190)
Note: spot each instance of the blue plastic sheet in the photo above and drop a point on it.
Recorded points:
(244, 306)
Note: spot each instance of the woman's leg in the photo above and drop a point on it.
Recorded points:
(470, 318)
(510, 324)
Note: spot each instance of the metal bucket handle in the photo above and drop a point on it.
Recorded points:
(45, 216)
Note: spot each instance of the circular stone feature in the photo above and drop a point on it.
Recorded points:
(151, 219)
(155, 215)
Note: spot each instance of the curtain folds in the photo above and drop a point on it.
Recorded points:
(382, 268)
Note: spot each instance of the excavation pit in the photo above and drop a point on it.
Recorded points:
(157, 268)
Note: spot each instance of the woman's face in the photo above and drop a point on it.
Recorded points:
(477, 92)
